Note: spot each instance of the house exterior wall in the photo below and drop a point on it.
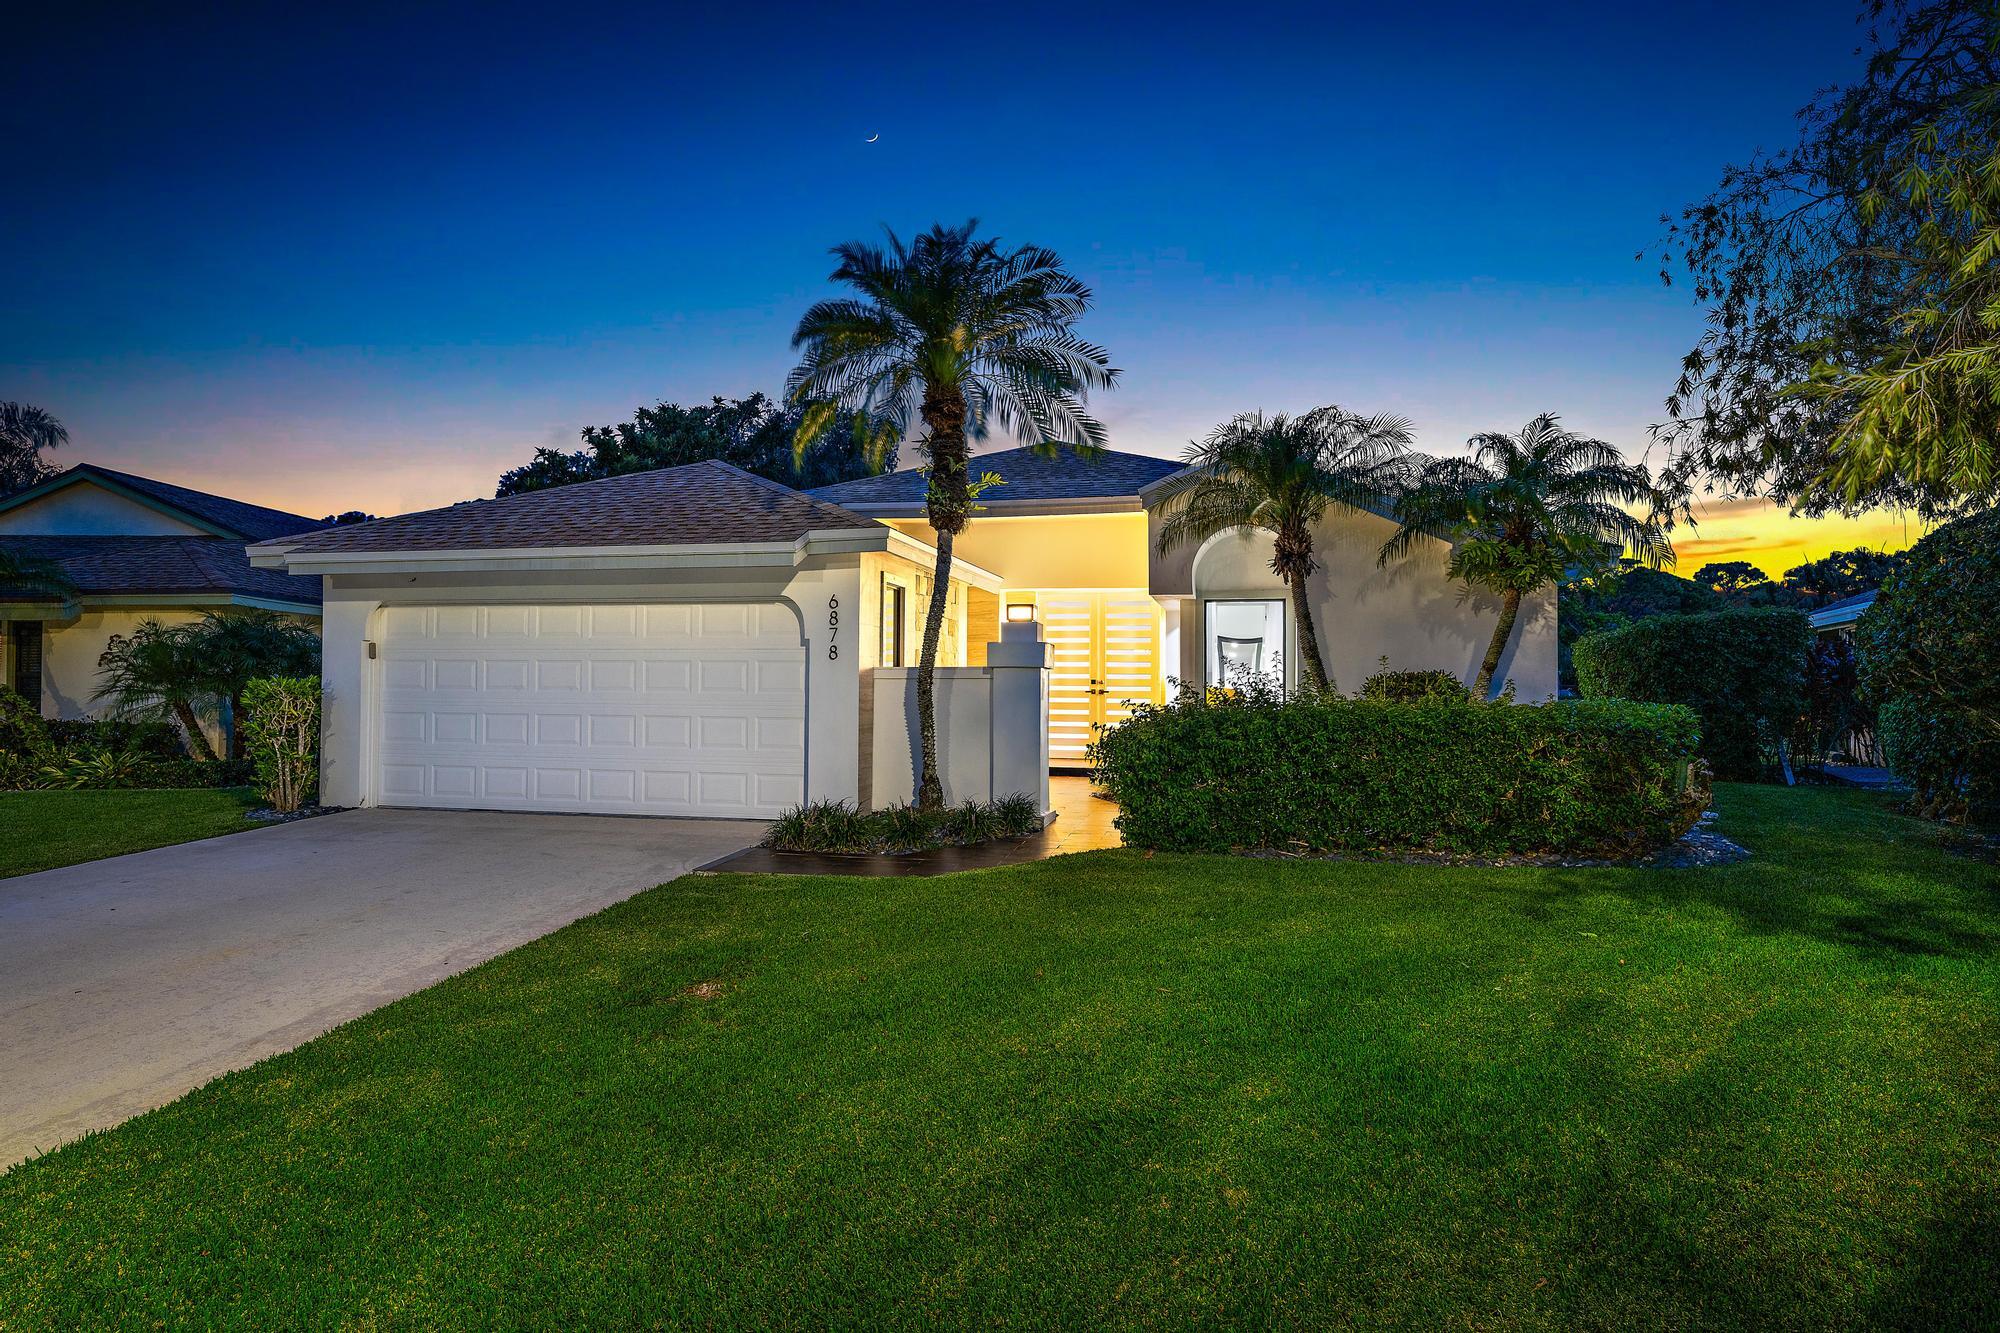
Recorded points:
(1051, 550)
(85, 509)
(833, 651)
(1410, 612)
(70, 650)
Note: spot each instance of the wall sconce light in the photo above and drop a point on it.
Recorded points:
(1017, 612)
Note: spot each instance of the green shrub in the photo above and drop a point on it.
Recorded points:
(1213, 772)
(1834, 709)
(24, 735)
(280, 728)
(1930, 748)
(1742, 672)
(1409, 687)
(836, 826)
(150, 739)
(1929, 649)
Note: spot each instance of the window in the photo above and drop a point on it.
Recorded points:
(892, 623)
(27, 645)
(1245, 636)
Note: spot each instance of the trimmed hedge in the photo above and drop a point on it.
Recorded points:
(1409, 687)
(1950, 775)
(1742, 671)
(1215, 773)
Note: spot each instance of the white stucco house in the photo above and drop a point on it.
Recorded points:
(701, 641)
(132, 549)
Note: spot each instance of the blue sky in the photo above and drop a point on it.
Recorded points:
(371, 258)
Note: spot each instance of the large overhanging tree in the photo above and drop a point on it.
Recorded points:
(946, 339)
(1852, 355)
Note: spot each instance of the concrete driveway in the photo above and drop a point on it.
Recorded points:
(126, 982)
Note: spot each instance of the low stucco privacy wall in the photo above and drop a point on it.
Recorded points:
(992, 725)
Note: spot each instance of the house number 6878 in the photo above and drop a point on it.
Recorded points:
(832, 629)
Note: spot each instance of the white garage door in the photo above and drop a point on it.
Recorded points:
(682, 709)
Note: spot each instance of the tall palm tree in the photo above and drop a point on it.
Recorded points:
(24, 432)
(1282, 474)
(948, 338)
(1530, 510)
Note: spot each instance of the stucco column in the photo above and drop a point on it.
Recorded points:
(1019, 665)
(346, 680)
(829, 604)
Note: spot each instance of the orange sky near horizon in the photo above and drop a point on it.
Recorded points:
(1774, 540)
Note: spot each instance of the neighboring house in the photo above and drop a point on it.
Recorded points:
(133, 549)
(1840, 617)
(700, 641)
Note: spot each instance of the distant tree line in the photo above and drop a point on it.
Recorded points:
(754, 433)
(1633, 593)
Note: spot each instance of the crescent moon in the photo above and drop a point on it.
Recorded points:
(871, 138)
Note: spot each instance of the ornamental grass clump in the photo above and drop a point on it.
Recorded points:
(837, 827)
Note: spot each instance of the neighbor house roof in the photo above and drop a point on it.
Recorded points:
(1027, 477)
(154, 566)
(1846, 611)
(706, 503)
(229, 518)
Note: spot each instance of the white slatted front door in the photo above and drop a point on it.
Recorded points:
(666, 709)
(1104, 657)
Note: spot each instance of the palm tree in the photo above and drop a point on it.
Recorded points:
(159, 673)
(24, 432)
(1530, 510)
(23, 575)
(239, 646)
(948, 338)
(1282, 474)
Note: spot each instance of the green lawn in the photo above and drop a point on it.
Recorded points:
(40, 830)
(1112, 1089)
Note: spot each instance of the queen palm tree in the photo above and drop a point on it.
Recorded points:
(24, 432)
(948, 338)
(1282, 474)
(1527, 511)
(239, 646)
(159, 673)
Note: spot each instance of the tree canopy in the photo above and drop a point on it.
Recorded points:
(1852, 354)
(754, 433)
(25, 431)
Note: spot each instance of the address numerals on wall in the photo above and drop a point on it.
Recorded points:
(833, 629)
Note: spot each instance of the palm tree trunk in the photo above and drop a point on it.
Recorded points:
(948, 506)
(1311, 664)
(184, 714)
(930, 787)
(1510, 609)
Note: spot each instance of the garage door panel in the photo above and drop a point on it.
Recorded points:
(656, 709)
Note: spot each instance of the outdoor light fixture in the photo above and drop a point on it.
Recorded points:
(1020, 611)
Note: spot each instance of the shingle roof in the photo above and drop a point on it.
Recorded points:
(1843, 612)
(107, 565)
(1028, 476)
(251, 522)
(697, 504)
